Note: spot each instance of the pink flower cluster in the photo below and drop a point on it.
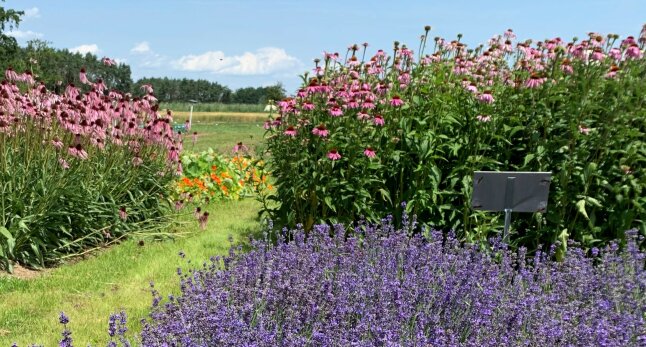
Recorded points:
(90, 120)
(368, 91)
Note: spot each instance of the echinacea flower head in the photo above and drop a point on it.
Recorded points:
(534, 81)
(122, 213)
(335, 111)
(486, 97)
(320, 131)
(369, 152)
(240, 147)
(333, 154)
(483, 118)
(633, 51)
(57, 143)
(584, 130)
(290, 131)
(379, 120)
(396, 101)
(83, 77)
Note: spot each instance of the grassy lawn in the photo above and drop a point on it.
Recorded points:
(118, 278)
(222, 136)
(114, 279)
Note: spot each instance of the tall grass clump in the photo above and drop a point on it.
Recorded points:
(367, 132)
(79, 169)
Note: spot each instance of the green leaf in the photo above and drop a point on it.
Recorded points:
(580, 205)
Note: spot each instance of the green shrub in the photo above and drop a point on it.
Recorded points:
(575, 109)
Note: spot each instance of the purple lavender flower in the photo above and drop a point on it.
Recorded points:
(383, 287)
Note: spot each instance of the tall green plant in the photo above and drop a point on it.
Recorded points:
(78, 170)
(414, 128)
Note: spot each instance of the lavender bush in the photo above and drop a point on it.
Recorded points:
(382, 287)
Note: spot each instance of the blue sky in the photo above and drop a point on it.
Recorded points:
(261, 42)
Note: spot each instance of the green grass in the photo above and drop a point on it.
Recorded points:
(222, 136)
(114, 279)
(118, 277)
(211, 107)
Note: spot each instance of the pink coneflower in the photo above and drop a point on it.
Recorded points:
(396, 101)
(566, 67)
(108, 62)
(362, 115)
(320, 131)
(136, 161)
(472, 88)
(633, 51)
(173, 154)
(615, 54)
(147, 88)
(179, 204)
(198, 212)
(584, 130)
(534, 81)
(77, 151)
(203, 219)
(335, 111)
(240, 147)
(486, 97)
(369, 152)
(187, 125)
(598, 55)
(83, 77)
(122, 213)
(307, 106)
(10, 75)
(194, 137)
(64, 164)
(57, 143)
(379, 120)
(483, 118)
(613, 71)
(333, 154)
(290, 131)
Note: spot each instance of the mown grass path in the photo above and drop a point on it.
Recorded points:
(114, 279)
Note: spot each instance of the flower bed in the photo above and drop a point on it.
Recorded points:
(79, 169)
(381, 287)
(368, 131)
(208, 176)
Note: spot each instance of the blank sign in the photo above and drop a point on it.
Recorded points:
(517, 191)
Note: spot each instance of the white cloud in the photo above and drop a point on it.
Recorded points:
(33, 12)
(141, 48)
(19, 34)
(263, 61)
(85, 49)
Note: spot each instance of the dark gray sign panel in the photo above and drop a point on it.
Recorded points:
(517, 191)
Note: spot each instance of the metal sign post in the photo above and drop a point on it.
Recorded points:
(510, 192)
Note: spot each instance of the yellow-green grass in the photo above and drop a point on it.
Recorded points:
(212, 107)
(208, 117)
(117, 278)
(222, 136)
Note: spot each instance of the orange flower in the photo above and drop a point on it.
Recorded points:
(214, 168)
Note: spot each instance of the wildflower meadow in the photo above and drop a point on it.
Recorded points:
(365, 234)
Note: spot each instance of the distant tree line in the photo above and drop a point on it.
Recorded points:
(183, 90)
(59, 67)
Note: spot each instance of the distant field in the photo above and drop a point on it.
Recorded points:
(223, 135)
(202, 117)
(212, 107)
